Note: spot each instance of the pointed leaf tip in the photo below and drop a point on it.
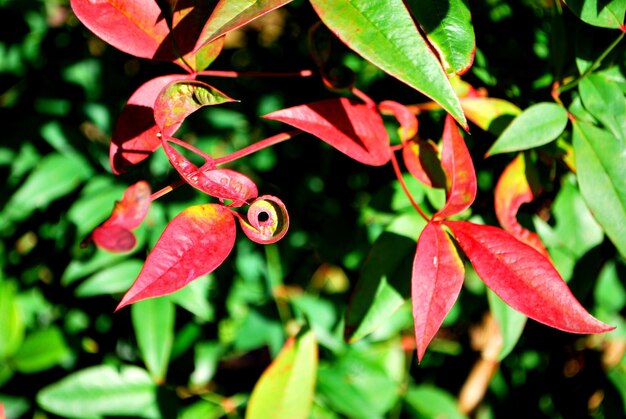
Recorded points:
(193, 244)
(437, 278)
(523, 278)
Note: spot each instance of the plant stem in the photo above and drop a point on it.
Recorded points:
(365, 98)
(190, 148)
(593, 66)
(252, 148)
(223, 73)
(396, 169)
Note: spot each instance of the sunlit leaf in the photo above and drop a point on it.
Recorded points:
(523, 278)
(352, 128)
(193, 244)
(103, 390)
(518, 185)
(600, 160)
(229, 15)
(181, 98)
(437, 278)
(115, 233)
(11, 320)
(448, 27)
(490, 114)
(406, 118)
(459, 169)
(153, 322)
(205, 56)
(604, 99)
(602, 13)
(135, 135)
(286, 387)
(383, 32)
(538, 125)
(266, 221)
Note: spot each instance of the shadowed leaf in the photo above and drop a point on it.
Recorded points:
(437, 278)
(193, 244)
(352, 128)
(421, 159)
(523, 278)
(267, 220)
(406, 118)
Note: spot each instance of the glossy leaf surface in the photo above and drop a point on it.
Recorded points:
(382, 32)
(523, 278)
(436, 281)
(538, 125)
(602, 13)
(490, 114)
(102, 390)
(605, 100)
(115, 233)
(135, 134)
(352, 128)
(286, 388)
(459, 169)
(518, 185)
(193, 244)
(181, 98)
(600, 161)
(267, 220)
(448, 27)
(229, 15)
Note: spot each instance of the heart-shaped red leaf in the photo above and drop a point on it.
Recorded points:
(115, 233)
(517, 185)
(352, 128)
(193, 244)
(437, 278)
(135, 134)
(267, 220)
(523, 278)
(459, 169)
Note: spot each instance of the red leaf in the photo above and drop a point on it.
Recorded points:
(135, 134)
(219, 183)
(406, 118)
(523, 278)
(193, 244)
(438, 274)
(421, 159)
(517, 185)
(115, 233)
(139, 28)
(459, 169)
(267, 220)
(352, 128)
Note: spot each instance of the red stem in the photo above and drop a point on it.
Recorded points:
(252, 148)
(221, 73)
(396, 169)
(190, 148)
(364, 97)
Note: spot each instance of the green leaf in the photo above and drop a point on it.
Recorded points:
(602, 13)
(382, 32)
(286, 388)
(490, 114)
(510, 323)
(538, 125)
(153, 321)
(195, 298)
(102, 390)
(41, 350)
(605, 101)
(427, 401)
(600, 167)
(115, 279)
(610, 293)
(11, 320)
(448, 26)
(383, 286)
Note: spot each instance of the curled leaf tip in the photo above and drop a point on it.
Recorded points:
(267, 220)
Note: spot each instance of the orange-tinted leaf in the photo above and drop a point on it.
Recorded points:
(267, 220)
(135, 134)
(352, 128)
(115, 233)
(459, 169)
(490, 114)
(406, 118)
(208, 53)
(181, 98)
(229, 15)
(437, 278)
(421, 159)
(219, 183)
(193, 244)
(517, 185)
(523, 278)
